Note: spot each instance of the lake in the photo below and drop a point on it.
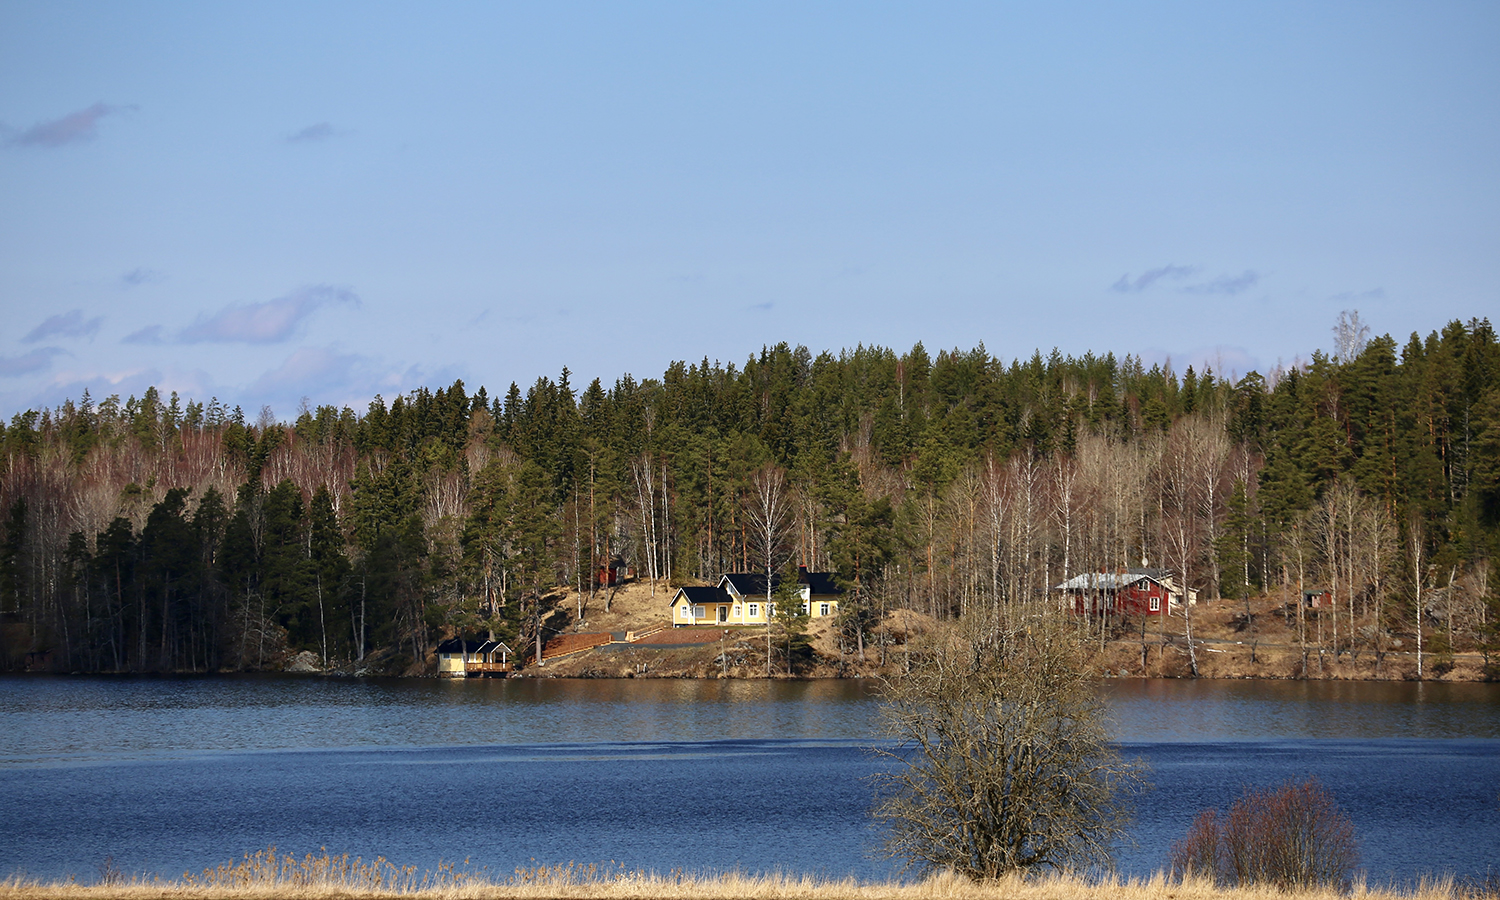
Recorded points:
(165, 775)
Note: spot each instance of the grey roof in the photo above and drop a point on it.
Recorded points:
(1102, 581)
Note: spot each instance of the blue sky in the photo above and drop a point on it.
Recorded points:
(264, 202)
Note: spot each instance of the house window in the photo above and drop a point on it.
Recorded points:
(806, 607)
(697, 612)
(736, 610)
(822, 609)
(1156, 604)
(754, 610)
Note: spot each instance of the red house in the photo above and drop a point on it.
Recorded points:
(1117, 593)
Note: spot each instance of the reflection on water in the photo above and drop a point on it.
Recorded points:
(69, 719)
(1208, 710)
(182, 773)
(73, 719)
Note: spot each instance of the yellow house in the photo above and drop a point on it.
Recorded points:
(740, 599)
(460, 658)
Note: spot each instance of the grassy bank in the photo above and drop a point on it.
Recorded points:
(316, 876)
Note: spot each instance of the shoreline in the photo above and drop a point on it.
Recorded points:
(531, 674)
(267, 875)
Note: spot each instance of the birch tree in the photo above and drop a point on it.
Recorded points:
(768, 509)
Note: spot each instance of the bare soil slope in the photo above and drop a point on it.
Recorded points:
(1230, 640)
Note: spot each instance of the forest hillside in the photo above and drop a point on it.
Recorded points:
(172, 534)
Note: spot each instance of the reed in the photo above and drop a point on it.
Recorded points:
(325, 876)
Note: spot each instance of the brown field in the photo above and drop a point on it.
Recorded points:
(268, 874)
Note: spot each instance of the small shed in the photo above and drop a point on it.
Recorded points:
(613, 573)
(1317, 599)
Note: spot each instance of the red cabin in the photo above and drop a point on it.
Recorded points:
(1117, 593)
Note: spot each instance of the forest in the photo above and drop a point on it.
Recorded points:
(163, 534)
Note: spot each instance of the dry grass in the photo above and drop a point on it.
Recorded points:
(323, 876)
(1228, 646)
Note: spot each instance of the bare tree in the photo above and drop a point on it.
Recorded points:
(997, 515)
(1350, 336)
(1192, 460)
(643, 472)
(1003, 761)
(1382, 546)
(768, 509)
(1328, 534)
(1416, 535)
(1065, 497)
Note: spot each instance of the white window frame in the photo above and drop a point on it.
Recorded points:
(822, 609)
(1155, 604)
(697, 612)
(754, 611)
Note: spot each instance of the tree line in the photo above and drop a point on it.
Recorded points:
(157, 534)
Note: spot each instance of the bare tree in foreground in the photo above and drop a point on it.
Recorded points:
(1003, 762)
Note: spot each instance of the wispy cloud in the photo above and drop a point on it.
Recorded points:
(1128, 285)
(1358, 296)
(73, 128)
(151, 334)
(69, 384)
(310, 367)
(339, 378)
(1228, 285)
(761, 307)
(140, 276)
(264, 323)
(35, 361)
(70, 324)
(322, 131)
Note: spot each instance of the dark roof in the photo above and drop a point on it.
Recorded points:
(1154, 574)
(753, 584)
(460, 645)
(750, 584)
(697, 595)
(818, 582)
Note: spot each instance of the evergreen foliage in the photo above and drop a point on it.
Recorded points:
(937, 482)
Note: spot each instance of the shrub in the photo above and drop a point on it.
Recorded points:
(1004, 762)
(1294, 835)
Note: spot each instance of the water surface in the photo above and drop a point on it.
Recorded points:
(172, 774)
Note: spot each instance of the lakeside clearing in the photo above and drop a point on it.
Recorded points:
(1259, 638)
